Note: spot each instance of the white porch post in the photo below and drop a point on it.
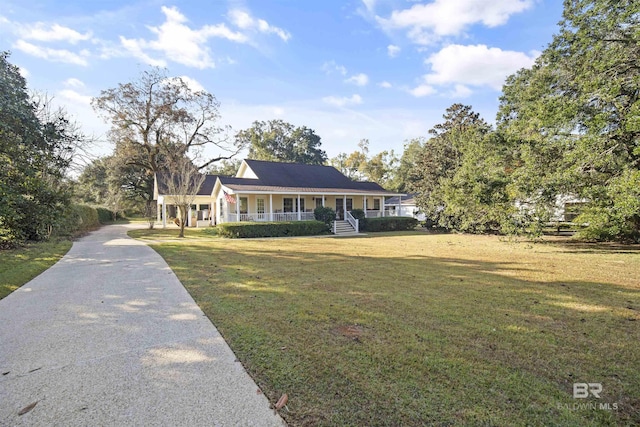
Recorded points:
(399, 205)
(344, 207)
(365, 206)
(237, 207)
(270, 207)
(323, 200)
(189, 216)
(158, 212)
(164, 214)
(298, 207)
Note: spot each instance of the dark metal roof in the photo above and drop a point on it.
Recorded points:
(205, 189)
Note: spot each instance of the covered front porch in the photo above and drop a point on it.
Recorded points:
(239, 206)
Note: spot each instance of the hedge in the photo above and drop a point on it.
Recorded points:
(399, 223)
(271, 229)
(78, 219)
(105, 216)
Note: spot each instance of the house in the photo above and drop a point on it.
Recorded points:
(275, 191)
(407, 206)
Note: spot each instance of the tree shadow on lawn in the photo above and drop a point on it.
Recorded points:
(442, 340)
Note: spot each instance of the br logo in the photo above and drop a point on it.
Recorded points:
(583, 390)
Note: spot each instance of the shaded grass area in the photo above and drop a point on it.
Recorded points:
(18, 266)
(172, 233)
(416, 329)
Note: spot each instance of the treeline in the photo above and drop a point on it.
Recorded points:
(569, 126)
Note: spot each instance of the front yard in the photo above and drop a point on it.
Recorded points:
(416, 329)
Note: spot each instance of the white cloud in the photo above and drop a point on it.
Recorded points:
(55, 32)
(343, 101)
(370, 5)
(474, 65)
(177, 42)
(330, 67)
(385, 84)
(460, 91)
(73, 82)
(358, 79)
(426, 23)
(393, 50)
(58, 55)
(75, 97)
(245, 21)
(24, 72)
(422, 90)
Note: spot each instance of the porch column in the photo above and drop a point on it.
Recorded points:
(158, 212)
(164, 214)
(237, 207)
(344, 207)
(189, 216)
(270, 207)
(323, 200)
(399, 205)
(365, 206)
(298, 207)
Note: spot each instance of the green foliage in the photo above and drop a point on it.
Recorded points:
(106, 216)
(35, 142)
(77, 219)
(271, 229)
(617, 217)
(324, 214)
(280, 141)
(358, 214)
(358, 165)
(460, 177)
(572, 121)
(399, 223)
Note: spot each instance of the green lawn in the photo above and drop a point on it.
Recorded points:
(18, 266)
(414, 329)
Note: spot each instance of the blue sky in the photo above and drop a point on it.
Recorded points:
(384, 70)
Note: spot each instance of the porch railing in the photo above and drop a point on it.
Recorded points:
(264, 216)
(353, 221)
(380, 214)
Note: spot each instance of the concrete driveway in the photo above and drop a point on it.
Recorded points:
(109, 336)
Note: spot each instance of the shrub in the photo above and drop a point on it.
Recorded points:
(324, 214)
(77, 219)
(399, 223)
(106, 216)
(359, 214)
(271, 229)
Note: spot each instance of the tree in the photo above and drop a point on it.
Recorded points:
(359, 166)
(92, 185)
(225, 168)
(158, 119)
(183, 182)
(402, 177)
(35, 142)
(441, 158)
(573, 119)
(280, 141)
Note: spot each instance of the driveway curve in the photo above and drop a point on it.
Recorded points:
(109, 336)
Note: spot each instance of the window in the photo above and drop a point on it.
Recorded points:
(376, 204)
(244, 205)
(203, 207)
(301, 204)
(287, 204)
(318, 202)
(260, 206)
(349, 205)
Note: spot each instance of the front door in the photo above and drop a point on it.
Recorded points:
(340, 209)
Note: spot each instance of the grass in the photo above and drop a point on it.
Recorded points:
(414, 329)
(172, 232)
(18, 266)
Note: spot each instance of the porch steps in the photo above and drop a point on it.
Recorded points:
(343, 228)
